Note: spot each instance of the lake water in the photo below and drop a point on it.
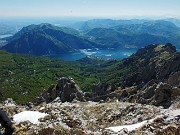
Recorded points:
(102, 53)
(5, 35)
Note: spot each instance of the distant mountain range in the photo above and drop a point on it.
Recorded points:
(109, 23)
(136, 34)
(46, 39)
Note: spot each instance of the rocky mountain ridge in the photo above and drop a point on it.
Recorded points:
(153, 77)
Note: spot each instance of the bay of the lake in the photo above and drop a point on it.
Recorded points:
(5, 35)
(110, 53)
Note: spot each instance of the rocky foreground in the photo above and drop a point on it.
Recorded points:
(93, 118)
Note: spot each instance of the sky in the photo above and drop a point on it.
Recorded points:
(90, 8)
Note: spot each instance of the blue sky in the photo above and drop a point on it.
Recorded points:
(90, 8)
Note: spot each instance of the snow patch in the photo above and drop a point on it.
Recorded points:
(175, 112)
(32, 116)
(129, 127)
(172, 114)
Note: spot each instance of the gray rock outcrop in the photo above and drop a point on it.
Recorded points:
(174, 79)
(152, 62)
(66, 89)
(157, 94)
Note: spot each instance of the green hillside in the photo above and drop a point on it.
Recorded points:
(23, 77)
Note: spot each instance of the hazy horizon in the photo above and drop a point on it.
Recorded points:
(113, 9)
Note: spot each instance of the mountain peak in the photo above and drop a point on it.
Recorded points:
(155, 50)
(45, 39)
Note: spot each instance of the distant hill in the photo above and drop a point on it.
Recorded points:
(175, 21)
(158, 27)
(114, 38)
(136, 35)
(103, 23)
(45, 39)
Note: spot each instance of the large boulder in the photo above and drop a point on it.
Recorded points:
(174, 79)
(162, 95)
(156, 94)
(166, 67)
(99, 90)
(66, 89)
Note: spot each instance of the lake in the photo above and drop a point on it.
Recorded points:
(110, 53)
(5, 35)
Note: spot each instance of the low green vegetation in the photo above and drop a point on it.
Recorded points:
(23, 77)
